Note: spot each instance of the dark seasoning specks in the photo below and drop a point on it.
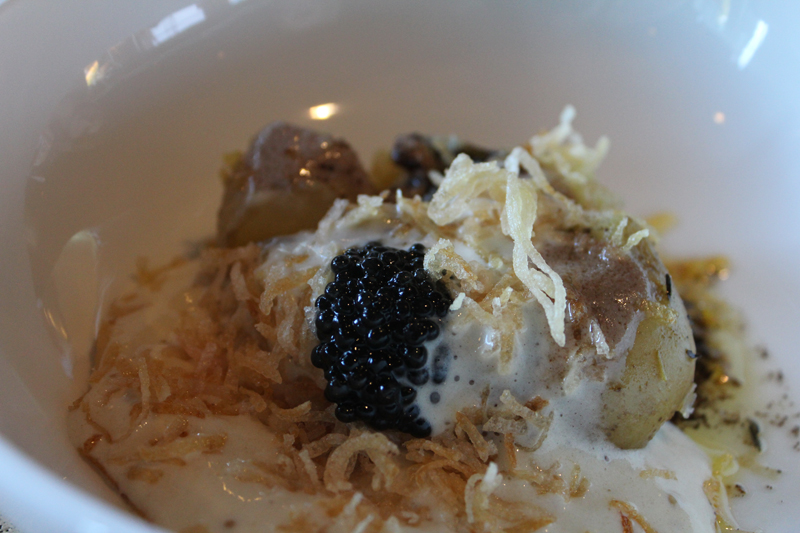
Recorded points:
(730, 412)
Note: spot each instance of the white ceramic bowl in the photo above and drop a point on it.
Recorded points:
(114, 117)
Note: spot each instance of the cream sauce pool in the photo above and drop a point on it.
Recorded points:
(220, 491)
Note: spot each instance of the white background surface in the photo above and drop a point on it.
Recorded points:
(6, 527)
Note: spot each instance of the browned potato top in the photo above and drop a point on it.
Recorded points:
(286, 181)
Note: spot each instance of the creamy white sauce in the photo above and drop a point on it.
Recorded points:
(208, 489)
(472, 365)
(574, 437)
(615, 474)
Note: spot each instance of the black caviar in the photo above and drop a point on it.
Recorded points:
(372, 323)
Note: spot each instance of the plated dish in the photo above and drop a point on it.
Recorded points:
(96, 175)
(469, 339)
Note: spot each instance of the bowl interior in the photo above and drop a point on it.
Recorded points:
(121, 128)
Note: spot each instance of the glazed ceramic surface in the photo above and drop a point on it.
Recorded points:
(114, 118)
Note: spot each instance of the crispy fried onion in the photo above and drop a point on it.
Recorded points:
(657, 472)
(550, 480)
(442, 258)
(484, 448)
(633, 239)
(175, 451)
(479, 488)
(717, 495)
(378, 448)
(564, 149)
(529, 427)
(631, 513)
(469, 187)
(518, 217)
(496, 514)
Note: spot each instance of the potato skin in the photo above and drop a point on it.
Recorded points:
(617, 290)
(286, 182)
(658, 375)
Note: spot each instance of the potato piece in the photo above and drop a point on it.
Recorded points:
(612, 289)
(285, 183)
(658, 375)
(659, 368)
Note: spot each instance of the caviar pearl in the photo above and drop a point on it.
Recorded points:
(372, 323)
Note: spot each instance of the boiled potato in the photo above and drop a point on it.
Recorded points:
(659, 368)
(285, 183)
